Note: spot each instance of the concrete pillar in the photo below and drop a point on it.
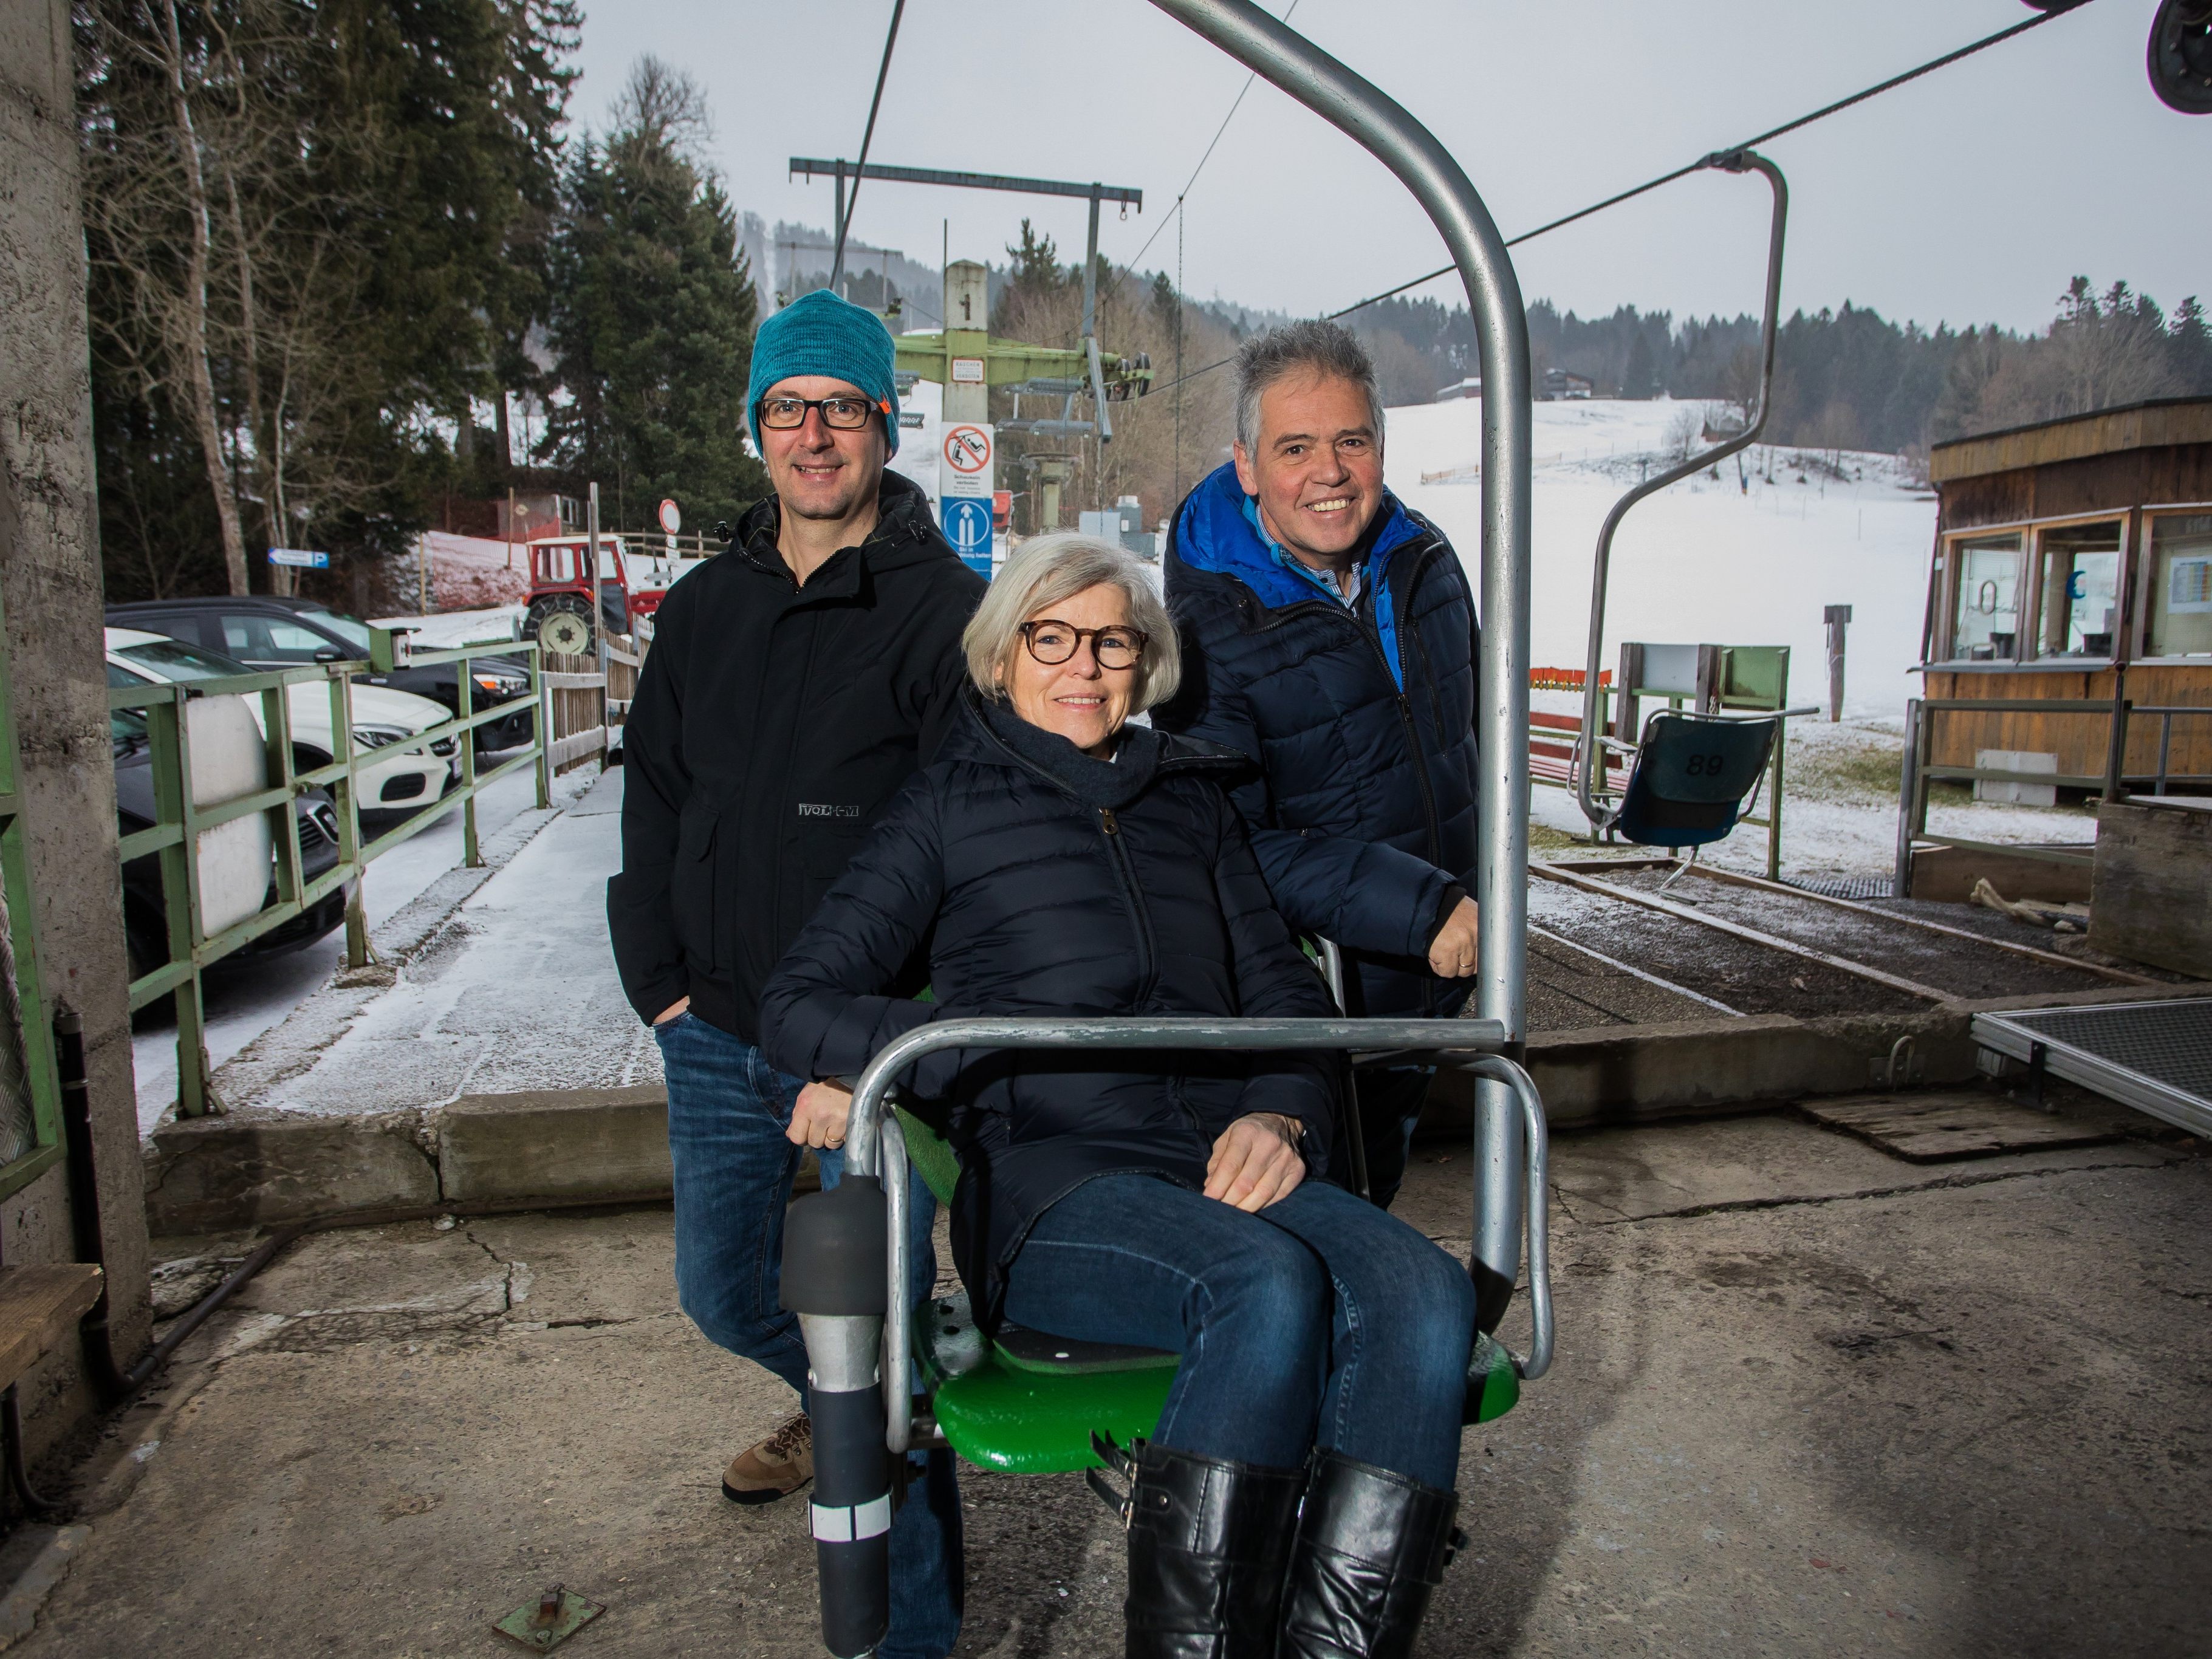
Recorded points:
(967, 325)
(51, 579)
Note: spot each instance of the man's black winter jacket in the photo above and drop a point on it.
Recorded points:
(772, 723)
(1361, 721)
(1056, 883)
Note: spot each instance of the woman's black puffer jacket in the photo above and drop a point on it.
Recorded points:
(1041, 881)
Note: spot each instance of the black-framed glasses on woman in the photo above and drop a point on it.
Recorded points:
(1052, 642)
(839, 414)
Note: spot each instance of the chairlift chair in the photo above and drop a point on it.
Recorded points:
(1029, 1401)
(1692, 776)
(1672, 798)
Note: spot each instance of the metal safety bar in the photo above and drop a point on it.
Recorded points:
(1369, 116)
(181, 822)
(876, 1145)
(1589, 774)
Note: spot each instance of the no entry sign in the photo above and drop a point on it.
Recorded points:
(968, 449)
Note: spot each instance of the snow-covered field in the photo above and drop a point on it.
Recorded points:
(1709, 561)
(1703, 562)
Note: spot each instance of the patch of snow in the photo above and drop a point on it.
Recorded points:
(1703, 562)
(474, 571)
(449, 630)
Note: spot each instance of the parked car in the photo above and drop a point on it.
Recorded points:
(145, 915)
(264, 631)
(403, 778)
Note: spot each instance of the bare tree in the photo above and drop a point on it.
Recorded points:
(662, 105)
(203, 209)
(1684, 427)
(2102, 350)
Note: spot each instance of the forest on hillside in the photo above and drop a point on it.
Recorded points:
(1847, 378)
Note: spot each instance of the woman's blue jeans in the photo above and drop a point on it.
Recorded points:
(727, 1110)
(1320, 1321)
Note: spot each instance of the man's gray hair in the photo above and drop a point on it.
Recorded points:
(1049, 569)
(1318, 347)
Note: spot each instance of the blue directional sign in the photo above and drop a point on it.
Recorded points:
(299, 557)
(967, 527)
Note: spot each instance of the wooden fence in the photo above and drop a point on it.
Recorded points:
(590, 704)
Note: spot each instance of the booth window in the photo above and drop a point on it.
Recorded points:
(1985, 627)
(2181, 585)
(2080, 588)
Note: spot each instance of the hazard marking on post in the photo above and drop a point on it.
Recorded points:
(968, 448)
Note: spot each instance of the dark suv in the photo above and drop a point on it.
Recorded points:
(264, 631)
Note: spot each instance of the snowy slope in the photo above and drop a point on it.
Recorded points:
(1702, 561)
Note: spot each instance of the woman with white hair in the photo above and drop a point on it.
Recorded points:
(1297, 1497)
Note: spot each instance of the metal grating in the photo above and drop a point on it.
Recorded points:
(1846, 887)
(2168, 1042)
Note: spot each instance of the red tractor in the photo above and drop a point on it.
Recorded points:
(630, 586)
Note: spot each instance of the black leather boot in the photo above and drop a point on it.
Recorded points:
(1209, 1540)
(1371, 1548)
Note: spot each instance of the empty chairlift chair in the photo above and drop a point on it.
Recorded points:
(1693, 774)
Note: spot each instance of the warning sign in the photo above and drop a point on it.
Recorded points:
(970, 469)
(968, 448)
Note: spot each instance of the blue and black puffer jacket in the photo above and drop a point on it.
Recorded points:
(1040, 881)
(1362, 720)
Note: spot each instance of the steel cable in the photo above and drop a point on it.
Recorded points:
(1820, 114)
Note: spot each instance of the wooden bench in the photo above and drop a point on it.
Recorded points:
(1550, 759)
(39, 1307)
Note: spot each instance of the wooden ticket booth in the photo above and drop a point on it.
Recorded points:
(2071, 588)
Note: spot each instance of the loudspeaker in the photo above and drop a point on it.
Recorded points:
(2179, 60)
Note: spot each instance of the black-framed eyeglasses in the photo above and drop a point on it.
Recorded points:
(839, 414)
(1052, 642)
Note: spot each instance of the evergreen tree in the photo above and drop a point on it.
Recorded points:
(653, 316)
(1640, 378)
(1166, 305)
(2191, 347)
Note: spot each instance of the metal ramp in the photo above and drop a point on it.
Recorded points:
(2154, 1056)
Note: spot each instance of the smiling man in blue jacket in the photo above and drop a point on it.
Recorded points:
(1329, 634)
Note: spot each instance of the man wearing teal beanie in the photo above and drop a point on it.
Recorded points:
(819, 334)
(794, 685)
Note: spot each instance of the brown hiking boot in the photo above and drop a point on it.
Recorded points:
(776, 1467)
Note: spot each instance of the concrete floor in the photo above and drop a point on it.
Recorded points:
(1808, 1398)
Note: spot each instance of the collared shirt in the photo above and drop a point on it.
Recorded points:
(1347, 596)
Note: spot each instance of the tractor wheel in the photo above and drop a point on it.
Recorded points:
(561, 624)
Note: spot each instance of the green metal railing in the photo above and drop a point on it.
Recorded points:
(179, 824)
(28, 1076)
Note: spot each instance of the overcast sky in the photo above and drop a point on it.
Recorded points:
(1971, 196)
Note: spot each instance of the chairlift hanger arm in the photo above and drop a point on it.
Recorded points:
(1735, 160)
(1384, 129)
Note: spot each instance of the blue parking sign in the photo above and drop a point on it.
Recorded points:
(967, 521)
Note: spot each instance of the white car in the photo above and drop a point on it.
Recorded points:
(401, 779)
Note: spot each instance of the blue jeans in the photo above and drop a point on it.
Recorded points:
(727, 1110)
(1320, 1321)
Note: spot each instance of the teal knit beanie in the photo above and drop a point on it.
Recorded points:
(818, 333)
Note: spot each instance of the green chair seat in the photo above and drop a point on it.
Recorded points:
(1029, 1402)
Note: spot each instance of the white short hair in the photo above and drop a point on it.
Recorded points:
(1047, 569)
